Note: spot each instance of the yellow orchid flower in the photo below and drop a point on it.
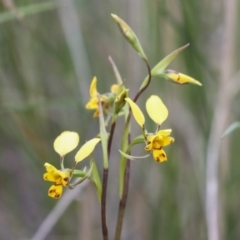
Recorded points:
(158, 112)
(59, 177)
(156, 142)
(106, 99)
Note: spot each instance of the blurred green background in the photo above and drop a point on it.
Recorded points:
(49, 53)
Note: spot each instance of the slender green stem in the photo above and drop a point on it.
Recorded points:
(123, 200)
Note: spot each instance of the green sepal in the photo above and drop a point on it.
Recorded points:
(96, 179)
(158, 70)
(231, 128)
(103, 135)
(81, 179)
(130, 157)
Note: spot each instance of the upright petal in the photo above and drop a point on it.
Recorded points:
(137, 113)
(66, 142)
(156, 109)
(49, 167)
(93, 88)
(86, 149)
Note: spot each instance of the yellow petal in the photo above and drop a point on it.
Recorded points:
(164, 133)
(49, 167)
(55, 191)
(181, 78)
(156, 109)
(66, 142)
(159, 155)
(167, 140)
(51, 177)
(86, 149)
(92, 103)
(93, 88)
(64, 177)
(137, 113)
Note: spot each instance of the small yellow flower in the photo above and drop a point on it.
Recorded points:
(106, 99)
(156, 142)
(59, 177)
(180, 78)
(158, 112)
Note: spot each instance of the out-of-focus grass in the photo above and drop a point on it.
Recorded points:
(42, 93)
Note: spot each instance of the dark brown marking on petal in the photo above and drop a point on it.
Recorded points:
(178, 77)
(57, 195)
(157, 159)
(57, 184)
(163, 155)
(65, 179)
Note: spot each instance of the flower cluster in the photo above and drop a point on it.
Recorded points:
(108, 107)
(63, 144)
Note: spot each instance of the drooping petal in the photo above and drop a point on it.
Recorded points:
(86, 149)
(93, 88)
(66, 142)
(49, 167)
(55, 191)
(159, 155)
(137, 113)
(156, 109)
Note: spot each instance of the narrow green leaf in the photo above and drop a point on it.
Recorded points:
(231, 128)
(96, 179)
(103, 135)
(162, 65)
